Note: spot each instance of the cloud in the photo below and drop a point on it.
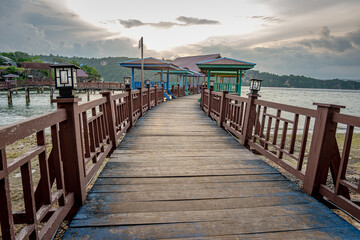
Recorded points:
(336, 60)
(268, 19)
(184, 21)
(131, 23)
(188, 21)
(332, 43)
(43, 27)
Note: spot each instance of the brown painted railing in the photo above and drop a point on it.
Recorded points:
(51, 83)
(302, 141)
(178, 91)
(80, 138)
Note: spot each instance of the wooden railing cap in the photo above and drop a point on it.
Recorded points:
(327, 105)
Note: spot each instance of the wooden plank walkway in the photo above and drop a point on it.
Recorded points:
(178, 175)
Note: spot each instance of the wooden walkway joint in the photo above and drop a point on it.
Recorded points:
(178, 175)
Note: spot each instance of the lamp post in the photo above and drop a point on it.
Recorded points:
(127, 82)
(65, 79)
(255, 85)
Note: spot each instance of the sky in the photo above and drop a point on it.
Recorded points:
(314, 38)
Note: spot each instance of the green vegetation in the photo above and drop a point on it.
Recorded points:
(292, 81)
(111, 71)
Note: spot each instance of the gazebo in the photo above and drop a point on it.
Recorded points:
(150, 64)
(11, 78)
(225, 67)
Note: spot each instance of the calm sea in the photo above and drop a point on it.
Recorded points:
(40, 103)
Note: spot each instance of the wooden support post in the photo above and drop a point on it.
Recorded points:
(172, 90)
(178, 90)
(27, 95)
(51, 94)
(322, 148)
(249, 120)
(156, 101)
(211, 88)
(9, 95)
(141, 100)
(71, 149)
(149, 96)
(88, 95)
(130, 107)
(223, 104)
(110, 115)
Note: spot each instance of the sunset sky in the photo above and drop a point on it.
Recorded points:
(313, 38)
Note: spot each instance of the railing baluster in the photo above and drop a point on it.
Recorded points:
(6, 218)
(44, 169)
(293, 139)
(303, 143)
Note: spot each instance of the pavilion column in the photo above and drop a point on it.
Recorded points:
(133, 78)
(208, 82)
(240, 80)
(168, 80)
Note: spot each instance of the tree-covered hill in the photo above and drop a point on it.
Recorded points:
(111, 71)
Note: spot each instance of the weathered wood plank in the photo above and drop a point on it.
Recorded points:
(177, 175)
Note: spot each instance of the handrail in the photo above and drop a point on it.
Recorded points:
(302, 141)
(81, 137)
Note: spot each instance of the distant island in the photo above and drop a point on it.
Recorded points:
(110, 71)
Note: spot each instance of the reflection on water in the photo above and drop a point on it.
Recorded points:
(40, 103)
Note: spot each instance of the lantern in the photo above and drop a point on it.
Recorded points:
(127, 82)
(65, 79)
(255, 85)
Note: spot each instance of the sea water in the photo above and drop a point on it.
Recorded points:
(301, 97)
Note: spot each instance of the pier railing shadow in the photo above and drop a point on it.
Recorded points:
(70, 145)
(302, 141)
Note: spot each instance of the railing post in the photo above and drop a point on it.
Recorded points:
(202, 98)
(223, 103)
(110, 116)
(141, 100)
(149, 96)
(209, 100)
(156, 102)
(322, 148)
(249, 119)
(71, 149)
(162, 92)
(130, 107)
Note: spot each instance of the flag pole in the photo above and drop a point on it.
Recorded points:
(142, 61)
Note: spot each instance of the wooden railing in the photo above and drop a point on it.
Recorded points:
(302, 141)
(178, 91)
(69, 146)
(51, 83)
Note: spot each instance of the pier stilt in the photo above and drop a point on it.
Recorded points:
(88, 95)
(9, 94)
(51, 94)
(27, 95)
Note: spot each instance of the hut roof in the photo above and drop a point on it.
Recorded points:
(11, 76)
(149, 64)
(225, 64)
(191, 61)
(80, 73)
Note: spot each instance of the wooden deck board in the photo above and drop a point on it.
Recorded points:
(177, 175)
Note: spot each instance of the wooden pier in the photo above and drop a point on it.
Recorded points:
(184, 169)
(178, 175)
